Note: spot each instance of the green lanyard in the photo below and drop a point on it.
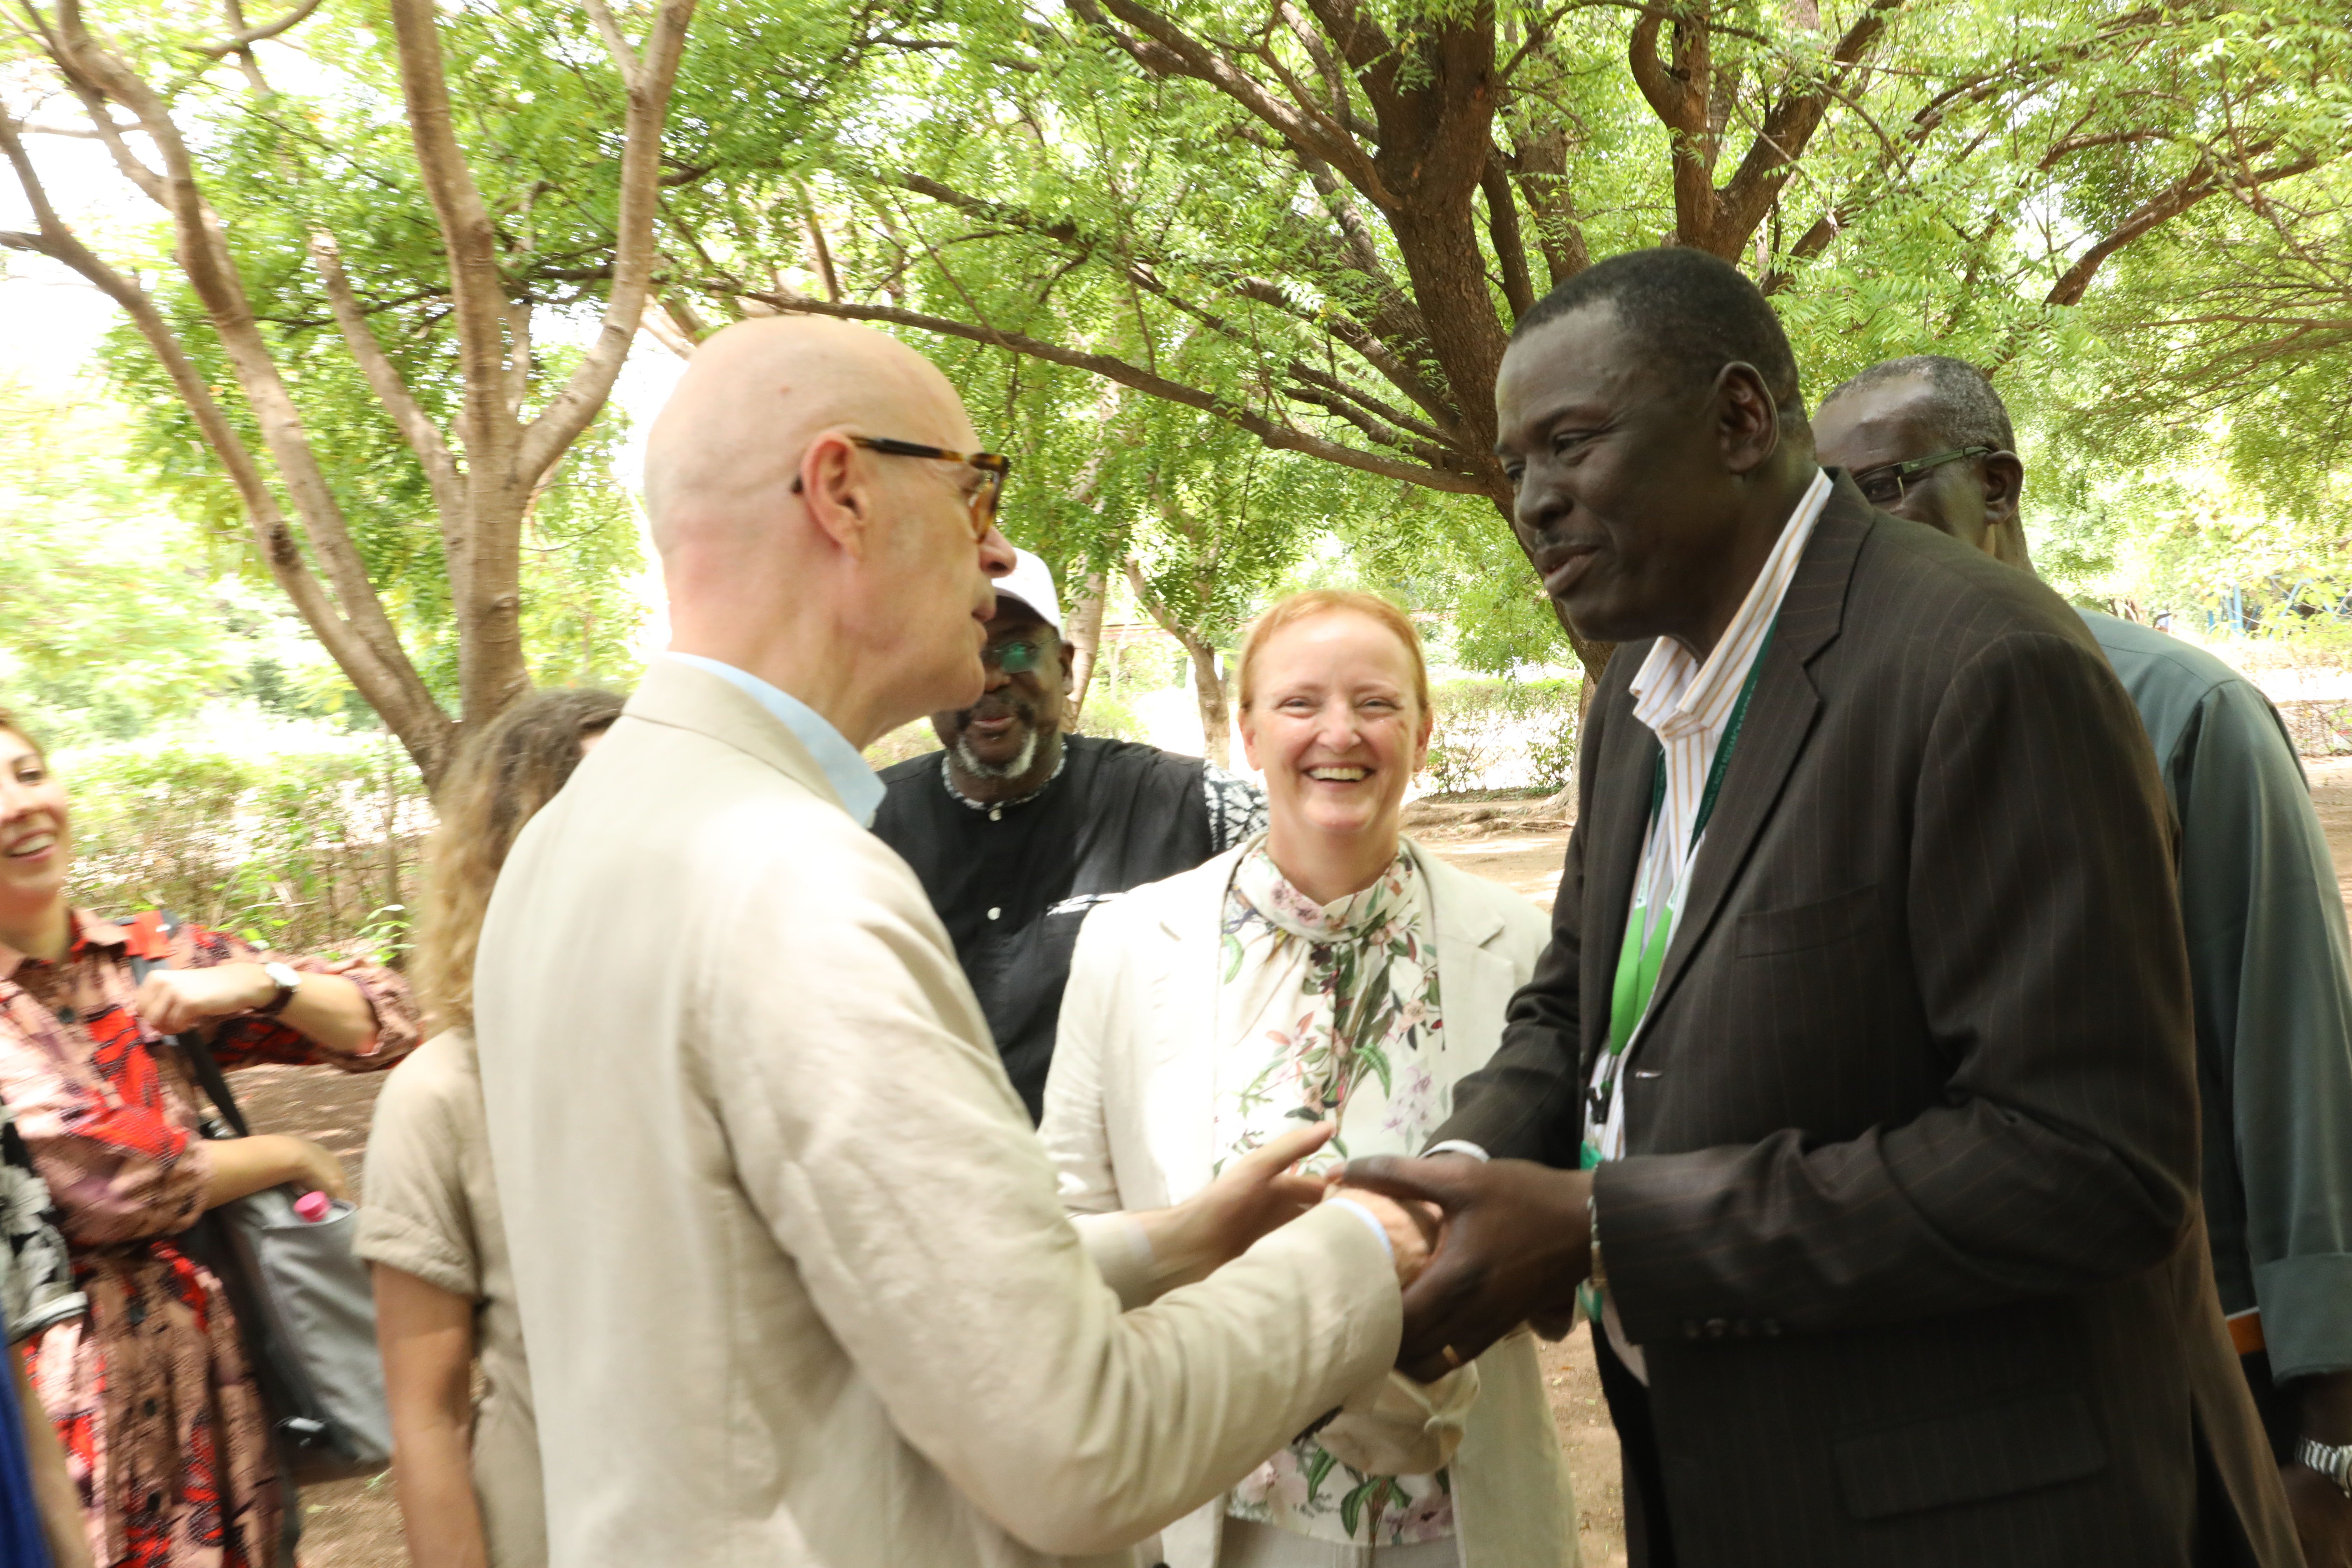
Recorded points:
(1639, 961)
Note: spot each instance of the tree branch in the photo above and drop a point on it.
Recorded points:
(213, 274)
(1170, 51)
(569, 411)
(1380, 433)
(392, 689)
(1541, 164)
(252, 35)
(1503, 232)
(1349, 334)
(1787, 129)
(2191, 188)
(616, 43)
(1676, 93)
(468, 239)
(384, 378)
(1281, 438)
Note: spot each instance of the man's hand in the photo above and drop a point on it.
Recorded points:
(1411, 1231)
(1258, 1193)
(2323, 1514)
(174, 1001)
(1517, 1241)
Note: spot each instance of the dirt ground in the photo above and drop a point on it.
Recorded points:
(354, 1524)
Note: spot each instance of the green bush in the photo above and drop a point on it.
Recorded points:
(1499, 733)
(304, 842)
(1108, 713)
(902, 745)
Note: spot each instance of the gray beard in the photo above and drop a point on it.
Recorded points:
(1022, 761)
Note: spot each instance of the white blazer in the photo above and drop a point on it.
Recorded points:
(796, 1286)
(1129, 1106)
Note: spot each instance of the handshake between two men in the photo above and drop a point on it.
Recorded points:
(1480, 1246)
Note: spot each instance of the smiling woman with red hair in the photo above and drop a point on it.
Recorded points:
(1325, 971)
(162, 1425)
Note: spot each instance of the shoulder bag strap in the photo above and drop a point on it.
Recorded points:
(156, 955)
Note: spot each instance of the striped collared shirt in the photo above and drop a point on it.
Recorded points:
(1689, 704)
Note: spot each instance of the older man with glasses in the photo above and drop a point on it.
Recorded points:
(1016, 828)
(1927, 438)
(796, 1278)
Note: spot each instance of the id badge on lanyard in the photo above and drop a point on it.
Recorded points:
(1639, 961)
(1644, 952)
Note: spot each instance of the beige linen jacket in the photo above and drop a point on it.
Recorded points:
(1129, 1107)
(796, 1284)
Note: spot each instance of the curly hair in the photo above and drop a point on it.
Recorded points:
(497, 782)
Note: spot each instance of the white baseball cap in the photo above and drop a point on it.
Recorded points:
(1032, 583)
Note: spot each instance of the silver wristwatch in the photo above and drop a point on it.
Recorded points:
(2334, 1463)
(288, 980)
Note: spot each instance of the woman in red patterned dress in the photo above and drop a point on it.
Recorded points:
(151, 1392)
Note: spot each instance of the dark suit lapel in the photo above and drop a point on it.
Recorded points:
(1612, 849)
(1780, 718)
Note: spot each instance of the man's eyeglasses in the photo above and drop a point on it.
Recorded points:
(982, 500)
(1013, 657)
(1886, 485)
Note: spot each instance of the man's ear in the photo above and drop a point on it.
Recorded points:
(1748, 421)
(2004, 482)
(836, 493)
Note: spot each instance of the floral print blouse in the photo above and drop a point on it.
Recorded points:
(165, 1437)
(120, 1147)
(1330, 1012)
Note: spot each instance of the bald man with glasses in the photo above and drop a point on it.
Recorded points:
(797, 1282)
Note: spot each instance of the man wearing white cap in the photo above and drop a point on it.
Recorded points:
(1016, 829)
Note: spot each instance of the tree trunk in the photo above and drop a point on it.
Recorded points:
(1084, 633)
(1208, 681)
(481, 500)
(1209, 685)
(391, 823)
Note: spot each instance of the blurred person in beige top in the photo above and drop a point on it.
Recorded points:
(795, 1279)
(466, 1470)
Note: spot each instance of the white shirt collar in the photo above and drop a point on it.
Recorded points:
(1675, 694)
(860, 791)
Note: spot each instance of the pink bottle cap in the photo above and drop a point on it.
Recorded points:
(314, 1206)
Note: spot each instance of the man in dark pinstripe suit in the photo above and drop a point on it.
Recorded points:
(1865, 1100)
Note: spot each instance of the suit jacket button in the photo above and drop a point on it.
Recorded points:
(1771, 1328)
(1741, 1328)
(1716, 1327)
(1690, 1329)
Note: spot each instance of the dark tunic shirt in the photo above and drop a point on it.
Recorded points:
(1012, 883)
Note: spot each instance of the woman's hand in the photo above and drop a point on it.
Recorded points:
(1256, 1193)
(326, 1008)
(243, 1166)
(174, 1001)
